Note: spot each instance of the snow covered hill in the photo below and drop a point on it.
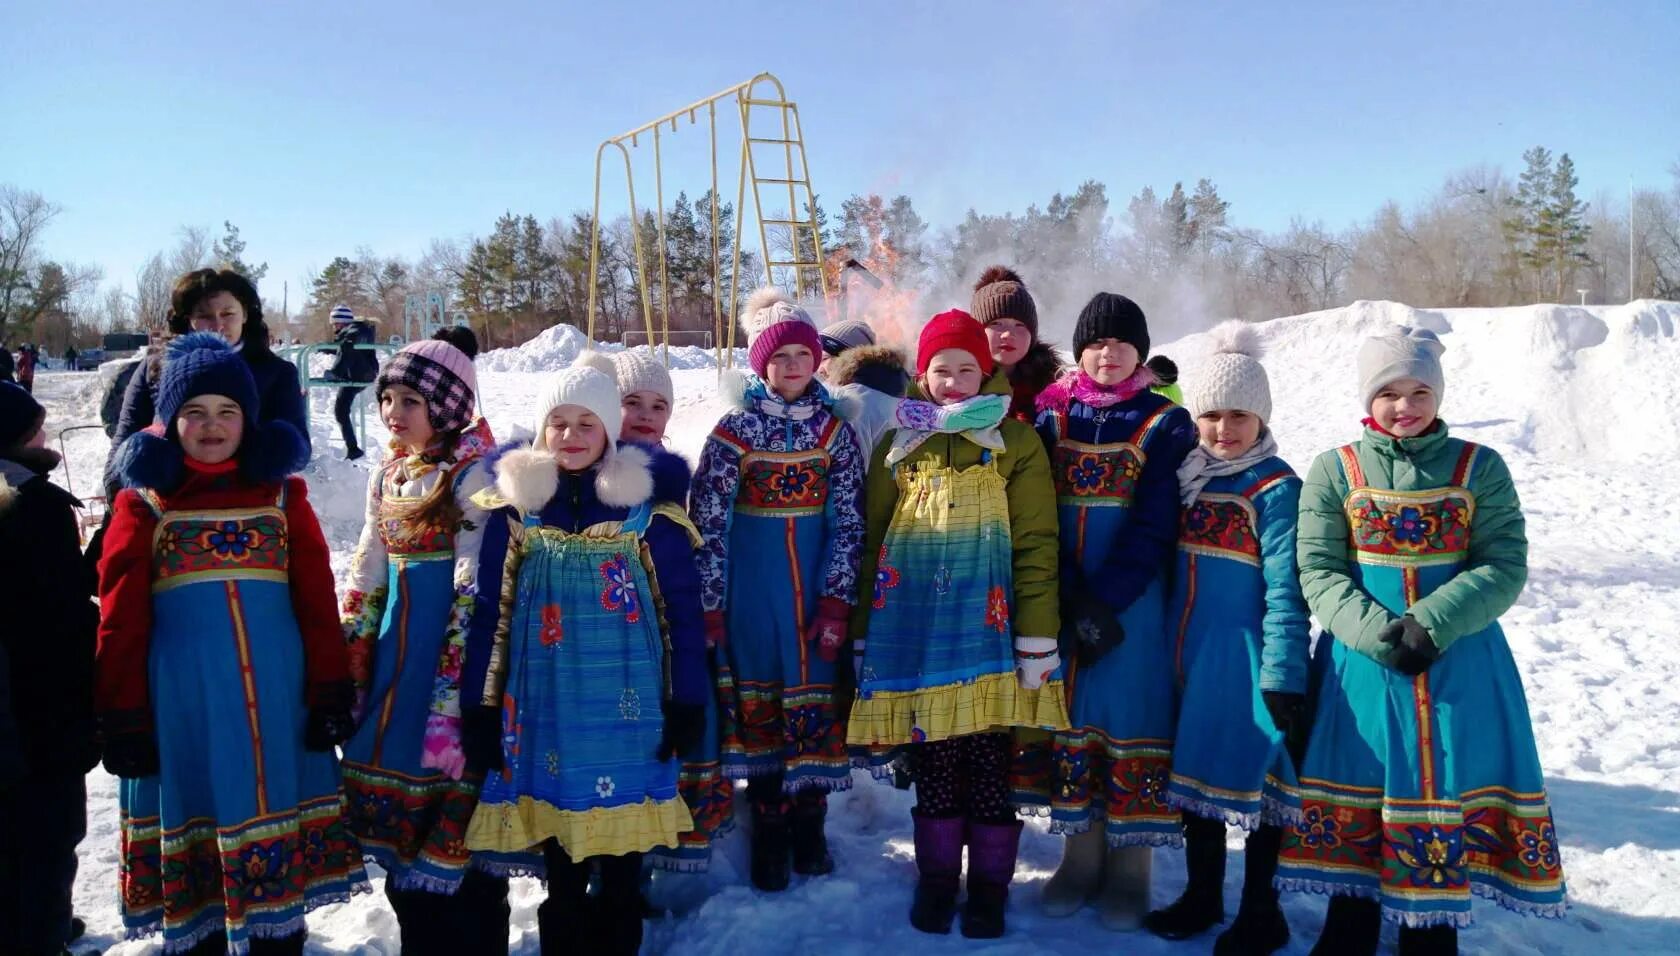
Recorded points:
(1584, 403)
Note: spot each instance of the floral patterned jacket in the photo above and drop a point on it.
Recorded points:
(764, 422)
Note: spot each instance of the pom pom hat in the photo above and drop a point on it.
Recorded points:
(1002, 294)
(772, 321)
(1233, 379)
(200, 363)
(442, 374)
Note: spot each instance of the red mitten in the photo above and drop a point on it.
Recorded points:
(828, 629)
(716, 636)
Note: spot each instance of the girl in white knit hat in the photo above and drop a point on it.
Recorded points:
(1239, 634)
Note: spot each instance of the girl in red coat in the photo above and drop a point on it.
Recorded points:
(222, 680)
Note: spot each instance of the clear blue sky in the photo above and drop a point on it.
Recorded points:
(318, 127)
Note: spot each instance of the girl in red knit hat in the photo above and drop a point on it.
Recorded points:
(955, 637)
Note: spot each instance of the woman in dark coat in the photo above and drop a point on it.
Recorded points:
(226, 303)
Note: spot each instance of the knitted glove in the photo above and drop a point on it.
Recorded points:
(685, 725)
(130, 749)
(330, 721)
(716, 634)
(1035, 658)
(1289, 713)
(1092, 624)
(1414, 650)
(828, 628)
(481, 738)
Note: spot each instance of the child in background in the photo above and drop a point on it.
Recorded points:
(1004, 306)
(1115, 448)
(1240, 651)
(1166, 378)
(46, 699)
(585, 668)
(1422, 763)
(778, 499)
(405, 609)
(222, 679)
(956, 646)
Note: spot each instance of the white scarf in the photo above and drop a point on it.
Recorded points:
(1202, 466)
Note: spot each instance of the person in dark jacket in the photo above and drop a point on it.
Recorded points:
(226, 303)
(47, 737)
(27, 357)
(356, 365)
(6, 365)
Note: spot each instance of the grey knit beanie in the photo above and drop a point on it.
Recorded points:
(1403, 353)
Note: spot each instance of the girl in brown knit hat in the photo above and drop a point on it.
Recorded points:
(1004, 306)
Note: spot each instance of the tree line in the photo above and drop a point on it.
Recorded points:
(1480, 239)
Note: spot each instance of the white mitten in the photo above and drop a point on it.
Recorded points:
(1035, 658)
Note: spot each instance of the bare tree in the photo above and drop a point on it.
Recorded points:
(24, 216)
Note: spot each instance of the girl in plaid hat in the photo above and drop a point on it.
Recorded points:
(405, 607)
(778, 499)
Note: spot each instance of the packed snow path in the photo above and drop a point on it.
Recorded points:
(1584, 403)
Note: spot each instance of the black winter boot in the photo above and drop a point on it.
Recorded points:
(1430, 941)
(1352, 927)
(1259, 928)
(939, 852)
(810, 846)
(770, 846)
(1202, 905)
(284, 946)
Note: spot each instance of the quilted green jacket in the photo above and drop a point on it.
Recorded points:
(1483, 589)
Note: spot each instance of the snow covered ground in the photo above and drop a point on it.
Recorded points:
(1579, 401)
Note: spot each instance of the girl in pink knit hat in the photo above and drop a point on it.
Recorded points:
(405, 610)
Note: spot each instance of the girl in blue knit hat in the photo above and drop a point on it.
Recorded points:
(222, 681)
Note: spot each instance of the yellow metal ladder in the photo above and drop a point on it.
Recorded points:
(790, 171)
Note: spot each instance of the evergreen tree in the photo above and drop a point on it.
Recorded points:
(1526, 226)
(1565, 215)
(229, 251)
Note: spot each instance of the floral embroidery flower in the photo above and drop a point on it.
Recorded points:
(886, 578)
(1318, 829)
(1540, 849)
(552, 633)
(630, 704)
(805, 730)
(997, 609)
(1435, 857)
(604, 787)
(262, 870)
(1408, 526)
(917, 735)
(791, 481)
(230, 539)
(1088, 472)
(620, 592)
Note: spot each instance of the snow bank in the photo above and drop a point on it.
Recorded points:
(557, 347)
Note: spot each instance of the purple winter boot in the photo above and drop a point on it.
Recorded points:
(991, 867)
(939, 848)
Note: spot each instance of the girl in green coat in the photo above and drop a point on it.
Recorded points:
(1421, 784)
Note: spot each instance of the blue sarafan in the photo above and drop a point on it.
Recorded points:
(1238, 627)
(1419, 791)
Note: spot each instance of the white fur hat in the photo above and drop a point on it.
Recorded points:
(1233, 378)
(1403, 353)
(589, 387)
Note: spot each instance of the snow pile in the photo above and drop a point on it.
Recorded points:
(1572, 397)
(557, 347)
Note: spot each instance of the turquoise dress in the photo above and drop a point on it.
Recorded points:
(1421, 792)
(1239, 627)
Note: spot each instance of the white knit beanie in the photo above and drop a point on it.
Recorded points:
(585, 386)
(1233, 379)
(1403, 353)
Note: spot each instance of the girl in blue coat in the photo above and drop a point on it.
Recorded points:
(1115, 448)
(1239, 637)
(778, 499)
(586, 669)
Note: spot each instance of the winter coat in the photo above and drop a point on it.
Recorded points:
(636, 474)
(1151, 531)
(51, 622)
(279, 393)
(126, 572)
(1036, 611)
(353, 364)
(876, 408)
(111, 406)
(1036, 370)
(1493, 576)
(802, 427)
(6, 364)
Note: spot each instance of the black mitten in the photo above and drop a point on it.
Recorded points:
(1414, 649)
(685, 724)
(481, 738)
(1093, 626)
(1289, 713)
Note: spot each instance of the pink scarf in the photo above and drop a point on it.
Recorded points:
(1075, 386)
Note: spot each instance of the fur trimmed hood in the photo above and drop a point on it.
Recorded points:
(871, 366)
(269, 452)
(528, 479)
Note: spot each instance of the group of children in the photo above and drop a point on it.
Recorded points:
(1025, 587)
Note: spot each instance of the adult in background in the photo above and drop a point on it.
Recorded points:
(358, 366)
(26, 358)
(226, 303)
(6, 365)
